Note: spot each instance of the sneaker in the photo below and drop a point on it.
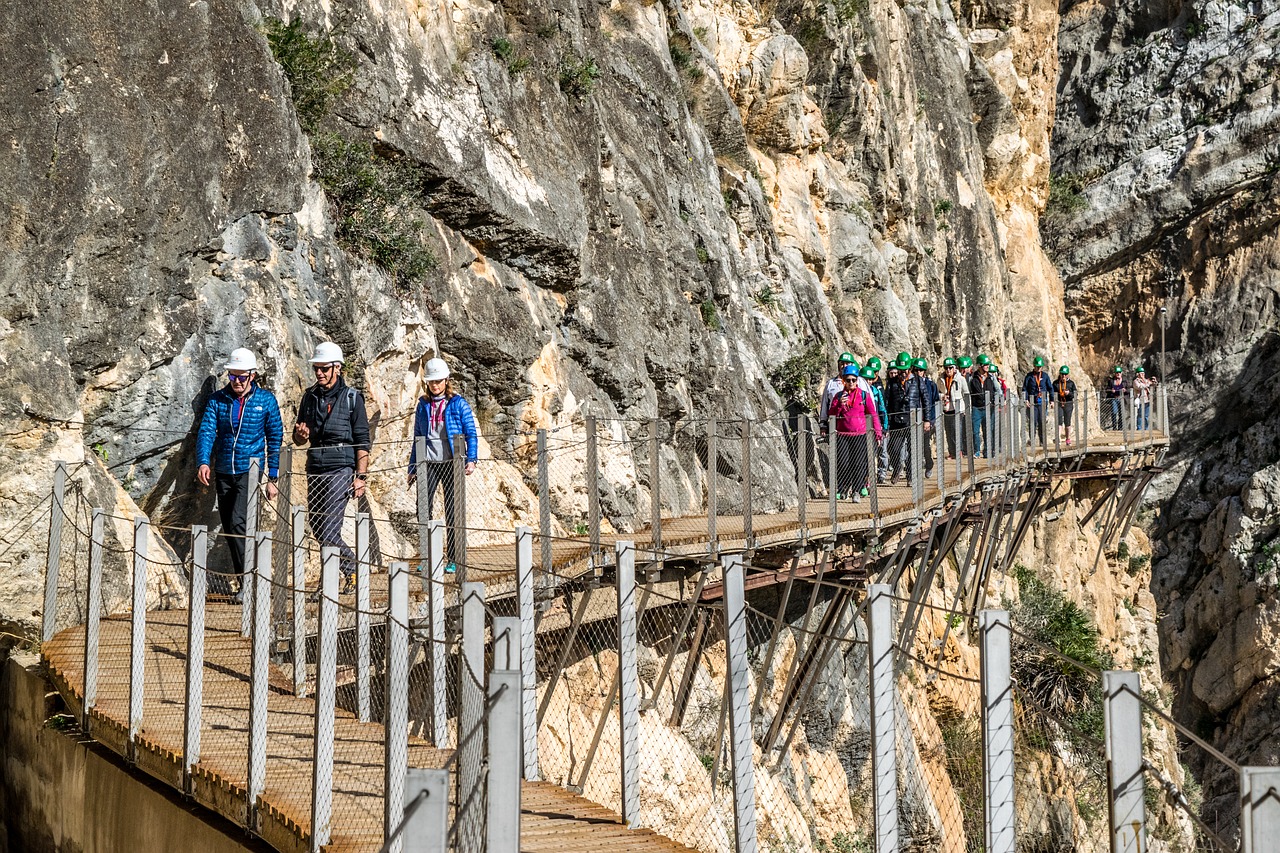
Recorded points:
(863, 492)
(893, 479)
(1068, 442)
(450, 567)
(928, 474)
(857, 499)
(881, 479)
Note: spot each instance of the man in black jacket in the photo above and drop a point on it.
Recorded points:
(895, 398)
(982, 386)
(332, 418)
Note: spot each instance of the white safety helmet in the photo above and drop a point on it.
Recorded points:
(241, 359)
(436, 369)
(327, 353)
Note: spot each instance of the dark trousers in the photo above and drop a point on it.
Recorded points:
(1036, 413)
(327, 496)
(233, 504)
(951, 426)
(900, 451)
(851, 464)
(440, 474)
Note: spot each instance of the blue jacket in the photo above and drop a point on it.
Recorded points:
(1033, 389)
(240, 432)
(880, 406)
(922, 393)
(458, 420)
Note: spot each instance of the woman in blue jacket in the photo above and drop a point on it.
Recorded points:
(442, 415)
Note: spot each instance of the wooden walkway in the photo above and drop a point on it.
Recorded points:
(553, 819)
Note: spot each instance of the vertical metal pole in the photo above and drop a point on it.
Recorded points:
(49, 616)
(1122, 716)
(1164, 408)
(628, 683)
(326, 687)
(655, 487)
(250, 552)
(527, 667)
(884, 723)
(802, 471)
(471, 694)
(298, 555)
(502, 823)
(460, 506)
(423, 501)
(747, 507)
(874, 478)
(259, 674)
(427, 830)
(93, 612)
(544, 508)
(940, 457)
(195, 655)
(1259, 808)
(833, 479)
(137, 632)
(437, 652)
(593, 488)
(1057, 427)
(1083, 437)
(364, 694)
(997, 732)
(280, 570)
(741, 741)
(396, 743)
(917, 457)
(713, 503)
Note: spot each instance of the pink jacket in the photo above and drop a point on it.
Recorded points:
(850, 410)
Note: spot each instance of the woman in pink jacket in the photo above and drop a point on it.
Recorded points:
(851, 412)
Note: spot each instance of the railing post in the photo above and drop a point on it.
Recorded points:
(423, 498)
(259, 674)
(1122, 717)
(884, 700)
(194, 697)
(437, 652)
(427, 829)
(655, 487)
(93, 613)
(747, 506)
(939, 453)
(471, 695)
(1126, 416)
(593, 491)
(1259, 808)
(364, 694)
(502, 824)
(833, 478)
(280, 569)
(52, 563)
(917, 457)
(997, 731)
(527, 664)
(874, 478)
(459, 555)
(137, 633)
(741, 741)
(326, 686)
(628, 683)
(713, 502)
(396, 743)
(544, 509)
(248, 577)
(1083, 437)
(802, 471)
(1164, 408)
(298, 582)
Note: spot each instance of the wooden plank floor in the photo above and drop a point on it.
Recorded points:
(553, 820)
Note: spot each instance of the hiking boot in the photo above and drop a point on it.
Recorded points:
(450, 568)
(863, 492)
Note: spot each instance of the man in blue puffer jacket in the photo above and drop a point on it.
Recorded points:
(241, 422)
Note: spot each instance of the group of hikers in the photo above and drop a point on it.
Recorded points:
(857, 401)
(242, 423)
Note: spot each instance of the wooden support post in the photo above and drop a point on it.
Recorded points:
(628, 683)
(248, 578)
(1122, 718)
(396, 702)
(326, 689)
(93, 614)
(57, 513)
(741, 742)
(259, 675)
(527, 664)
(747, 502)
(884, 727)
(997, 732)
(194, 696)
(713, 502)
(364, 604)
(436, 653)
(137, 633)
(298, 556)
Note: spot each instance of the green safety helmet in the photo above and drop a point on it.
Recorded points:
(995, 368)
(948, 362)
(965, 362)
(1139, 369)
(874, 362)
(919, 364)
(984, 359)
(1038, 361)
(846, 358)
(904, 358)
(1064, 370)
(1119, 369)
(868, 372)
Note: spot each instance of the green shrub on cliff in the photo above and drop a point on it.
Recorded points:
(799, 378)
(318, 69)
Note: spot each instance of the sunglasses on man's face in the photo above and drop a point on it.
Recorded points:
(324, 368)
(239, 377)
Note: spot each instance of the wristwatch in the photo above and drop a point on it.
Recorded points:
(362, 476)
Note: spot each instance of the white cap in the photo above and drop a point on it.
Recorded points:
(436, 369)
(241, 359)
(327, 353)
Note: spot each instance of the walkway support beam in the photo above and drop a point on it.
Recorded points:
(884, 720)
(1122, 716)
(997, 731)
(741, 743)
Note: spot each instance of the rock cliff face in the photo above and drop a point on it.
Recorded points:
(1167, 157)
